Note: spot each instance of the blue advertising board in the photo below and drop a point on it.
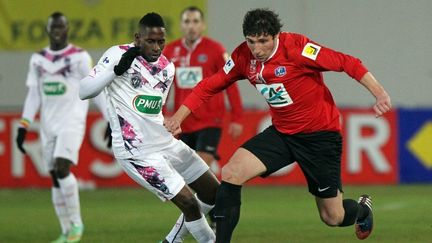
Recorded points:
(415, 145)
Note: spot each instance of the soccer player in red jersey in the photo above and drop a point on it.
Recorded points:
(196, 57)
(286, 68)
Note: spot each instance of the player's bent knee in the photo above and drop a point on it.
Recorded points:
(331, 219)
(233, 173)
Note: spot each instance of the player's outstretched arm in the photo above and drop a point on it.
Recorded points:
(91, 86)
(173, 123)
(383, 102)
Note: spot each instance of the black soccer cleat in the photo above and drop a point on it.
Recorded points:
(363, 228)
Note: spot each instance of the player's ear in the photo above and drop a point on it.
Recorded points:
(137, 39)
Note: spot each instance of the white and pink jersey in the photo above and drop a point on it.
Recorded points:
(56, 74)
(135, 101)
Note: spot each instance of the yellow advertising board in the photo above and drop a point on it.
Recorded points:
(92, 23)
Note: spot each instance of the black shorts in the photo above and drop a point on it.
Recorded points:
(204, 140)
(318, 155)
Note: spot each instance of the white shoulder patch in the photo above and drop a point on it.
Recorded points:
(311, 51)
(228, 65)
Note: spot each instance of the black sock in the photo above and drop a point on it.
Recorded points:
(227, 210)
(352, 209)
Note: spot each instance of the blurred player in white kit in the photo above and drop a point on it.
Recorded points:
(53, 86)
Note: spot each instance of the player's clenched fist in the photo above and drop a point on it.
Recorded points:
(126, 60)
(172, 125)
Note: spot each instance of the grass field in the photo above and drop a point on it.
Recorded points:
(269, 214)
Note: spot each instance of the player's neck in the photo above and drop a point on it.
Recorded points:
(191, 43)
(58, 46)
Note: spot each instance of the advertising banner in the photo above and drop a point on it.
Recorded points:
(415, 146)
(92, 23)
(369, 155)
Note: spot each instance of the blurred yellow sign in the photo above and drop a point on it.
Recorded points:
(92, 23)
(421, 145)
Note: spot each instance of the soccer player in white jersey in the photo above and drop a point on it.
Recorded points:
(53, 86)
(136, 79)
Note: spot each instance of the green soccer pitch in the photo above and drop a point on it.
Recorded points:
(269, 214)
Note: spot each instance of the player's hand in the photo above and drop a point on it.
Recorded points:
(107, 136)
(126, 60)
(235, 129)
(172, 125)
(20, 139)
(382, 105)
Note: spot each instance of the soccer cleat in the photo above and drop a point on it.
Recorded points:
(61, 239)
(75, 233)
(364, 227)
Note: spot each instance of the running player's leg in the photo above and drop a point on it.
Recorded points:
(260, 156)
(158, 175)
(66, 153)
(207, 143)
(198, 176)
(319, 156)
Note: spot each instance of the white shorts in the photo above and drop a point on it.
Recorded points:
(64, 145)
(166, 172)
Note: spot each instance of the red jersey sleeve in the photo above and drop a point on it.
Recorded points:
(230, 73)
(320, 58)
(234, 98)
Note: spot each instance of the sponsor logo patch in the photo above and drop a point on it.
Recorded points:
(188, 77)
(311, 51)
(147, 104)
(275, 94)
(280, 71)
(202, 58)
(228, 66)
(54, 88)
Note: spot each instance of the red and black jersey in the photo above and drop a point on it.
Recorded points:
(204, 59)
(290, 80)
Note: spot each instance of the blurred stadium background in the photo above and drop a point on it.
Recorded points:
(389, 157)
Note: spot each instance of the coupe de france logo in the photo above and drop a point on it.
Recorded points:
(280, 71)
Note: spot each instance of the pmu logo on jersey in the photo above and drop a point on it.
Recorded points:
(280, 71)
(275, 94)
(54, 88)
(311, 51)
(147, 104)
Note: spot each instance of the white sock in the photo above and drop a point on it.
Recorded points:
(201, 231)
(179, 230)
(69, 188)
(60, 209)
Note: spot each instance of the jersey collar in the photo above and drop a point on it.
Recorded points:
(194, 44)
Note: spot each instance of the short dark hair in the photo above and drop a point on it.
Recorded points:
(152, 20)
(192, 9)
(261, 21)
(57, 15)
